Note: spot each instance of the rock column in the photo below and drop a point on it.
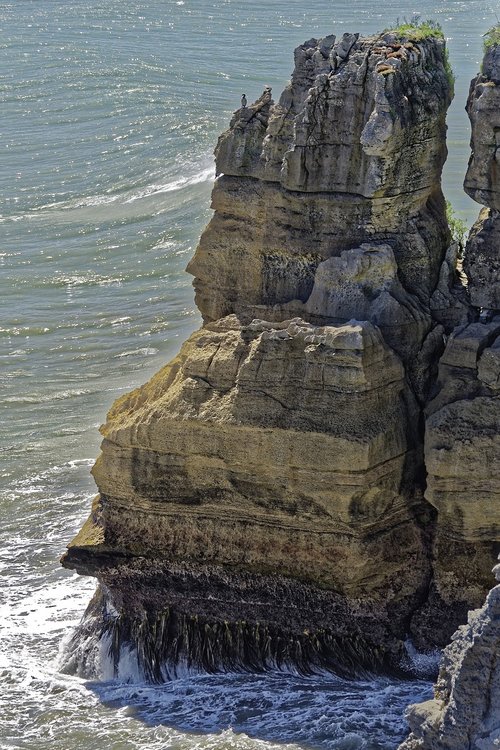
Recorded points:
(462, 445)
(261, 498)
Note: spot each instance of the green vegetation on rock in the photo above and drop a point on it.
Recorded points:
(458, 227)
(416, 30)
(492, 37)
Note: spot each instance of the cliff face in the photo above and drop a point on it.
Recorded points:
(465, 712)
(462, 443)
(261, 498)
(277, 466)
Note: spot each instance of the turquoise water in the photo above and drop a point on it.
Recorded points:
(109, 114)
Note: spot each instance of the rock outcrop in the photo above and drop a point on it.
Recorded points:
(482, 181)
(276, 464)
(462, 447)
(482, 261)
(351, 154)
(465, 712)
(261, 498)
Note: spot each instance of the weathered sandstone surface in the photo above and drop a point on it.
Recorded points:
(482, 181)
(261, 499)
(288, 452)
(462, 448)
(465, 712)
(482, 260)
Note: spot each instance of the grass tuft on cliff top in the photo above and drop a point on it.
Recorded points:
(492, 37)
(415, 30)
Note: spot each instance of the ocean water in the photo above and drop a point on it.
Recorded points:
(109, 114)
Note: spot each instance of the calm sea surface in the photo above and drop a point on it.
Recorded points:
(109, 114)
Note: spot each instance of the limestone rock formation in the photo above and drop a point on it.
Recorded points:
(449, 304)
(482, 182)
(288, 452)
(261, 498)
(462, 443)
(482, 261)
(351, 154)
(465, 712)
(462, 447)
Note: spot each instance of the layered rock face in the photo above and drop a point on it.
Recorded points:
(351, 154)
(465, 712)
(261, 498)
(462, 444)
(482, 260)
(482, 182)
(271, 471)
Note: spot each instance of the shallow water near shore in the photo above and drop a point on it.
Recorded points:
(110, 112)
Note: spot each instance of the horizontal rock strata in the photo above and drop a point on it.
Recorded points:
(482, 261)
(289, 450)
(352, 153)
(482, 182)
(462, 446)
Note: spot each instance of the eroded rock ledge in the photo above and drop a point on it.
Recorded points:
(262, 497)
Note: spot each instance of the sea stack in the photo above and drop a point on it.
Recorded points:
(261, 499)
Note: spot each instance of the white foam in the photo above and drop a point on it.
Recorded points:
(146, 351)
(120, 198)
(178, 184)
(47, 397)
(421, 664)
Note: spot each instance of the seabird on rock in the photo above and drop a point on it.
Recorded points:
(243, 100)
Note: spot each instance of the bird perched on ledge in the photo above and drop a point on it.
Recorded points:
(243, 100)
